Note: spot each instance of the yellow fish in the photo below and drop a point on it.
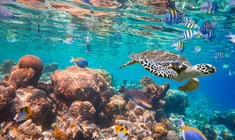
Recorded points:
(24, 114)
(121, 132)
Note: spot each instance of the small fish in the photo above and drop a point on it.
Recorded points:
(118, 36)
(179, 46)
(197, 49)
(68, 41)
(231, 72)
(230, 35)
(24, 114)
(5, 13)
(10, 36)
(121, 132)
(206, 27)
(191, 133)
(80, 62)
(173, 17)
(209, 7)
(219, 55)
(210, 35)
(87, 2)
(188, 34)
(88, 48)
(189, 23)
(137, 96)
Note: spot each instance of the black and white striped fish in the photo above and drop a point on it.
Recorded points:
(188, 34)
(189, 23)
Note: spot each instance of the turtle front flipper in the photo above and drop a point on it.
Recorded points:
(158, 69)
(128, 63)
(191, 85)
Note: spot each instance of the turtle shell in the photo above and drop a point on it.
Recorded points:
(162, 57)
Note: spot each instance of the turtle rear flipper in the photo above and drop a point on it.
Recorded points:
(191, 85)
(128, 63)
(158, 69)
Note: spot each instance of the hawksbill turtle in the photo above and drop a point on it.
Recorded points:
(170, 65)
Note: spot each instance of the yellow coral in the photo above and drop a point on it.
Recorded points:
(59, 134)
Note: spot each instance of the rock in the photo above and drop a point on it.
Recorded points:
(159, 131)
(106, 75)
(175, 102)
(146, 80)
(81, 84)
(38, 101)
(27, 73)
(172, 135)
(6, 103)
(82, 111)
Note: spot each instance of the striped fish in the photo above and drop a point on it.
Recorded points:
(179, 46)
(189, 23)
(209, 7)
(173, 17)
(188, 34)
(206, 27)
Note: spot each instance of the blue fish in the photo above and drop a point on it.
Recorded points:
(173, 17)
(219, 55)
(191, 133)
(80, 62)
(209, 7)
(87, 2)
(206, 27)
(210, 35)
(137, 96)
(5, 13)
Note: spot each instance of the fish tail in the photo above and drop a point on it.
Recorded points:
(72, 59)
(128, 63)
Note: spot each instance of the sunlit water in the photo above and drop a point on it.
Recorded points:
(112, 37)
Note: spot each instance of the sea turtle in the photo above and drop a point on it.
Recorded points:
(170, 65)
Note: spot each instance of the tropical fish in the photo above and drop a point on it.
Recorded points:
(5, 13)
(191, 133)
(219, 55)
(87, 2)
(10, 36)
(80, 62)
(209, 7)
(68, 41)
(24, 114)
(197, 49)
(121, 132)
(210, 35)
(188, 34)
(232, 36)
(173, 17)
(206, 27)
(137, 96)
(189, 23)
(231, 72)
(88, 49)
(179, 46)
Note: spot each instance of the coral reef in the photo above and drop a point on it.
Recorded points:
(106, 75)
(175, 102)
(27, 72)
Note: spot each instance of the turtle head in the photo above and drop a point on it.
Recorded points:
(206, 69)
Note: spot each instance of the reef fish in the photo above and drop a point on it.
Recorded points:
(179, 46)
(68, 40)
(209, 7)
(197, 49)
(173, 17)
(80, 62)
(188, 34)
(219, 55)
(191, 133)
(189, 23)
(137, 96)
(121, 132)
(24, 114)
(5, 13)
(206, 27)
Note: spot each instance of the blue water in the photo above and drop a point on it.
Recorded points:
(129, 28)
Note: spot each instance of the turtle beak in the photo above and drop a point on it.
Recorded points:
(213, 69)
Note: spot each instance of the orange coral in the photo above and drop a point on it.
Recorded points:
(59, 134)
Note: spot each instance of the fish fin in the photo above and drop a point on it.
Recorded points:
(72, 59)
